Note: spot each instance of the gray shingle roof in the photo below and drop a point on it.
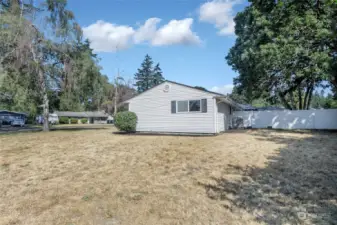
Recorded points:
(12, 112)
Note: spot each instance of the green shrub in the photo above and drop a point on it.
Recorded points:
(74, 121)
(63, 120)
(84, 120)
(30, 120)
(126, 121)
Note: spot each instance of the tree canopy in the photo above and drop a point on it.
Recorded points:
(147, 76)
(284, 50)
(44, 62)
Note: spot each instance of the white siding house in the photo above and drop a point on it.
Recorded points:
(178, 108)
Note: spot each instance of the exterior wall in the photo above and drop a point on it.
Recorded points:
(98, 121)
(223, 116)
(153, 109)
(297, 119)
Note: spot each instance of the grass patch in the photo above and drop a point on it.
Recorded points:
(91, 176)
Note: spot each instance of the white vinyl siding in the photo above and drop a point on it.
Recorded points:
(223, 116)
(153, 109)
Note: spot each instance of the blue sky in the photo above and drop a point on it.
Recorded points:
(189, 38)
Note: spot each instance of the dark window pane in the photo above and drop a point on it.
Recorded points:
(173, 107)
(204, 105)
(194, 106)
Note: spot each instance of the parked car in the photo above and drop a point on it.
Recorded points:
(7, 122)
(53, 118)
(18, 122)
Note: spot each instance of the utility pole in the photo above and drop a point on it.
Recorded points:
(117, 78)
(116, 92)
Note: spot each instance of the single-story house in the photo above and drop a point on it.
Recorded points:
(171, 107)
(93, 117)
(8, 116)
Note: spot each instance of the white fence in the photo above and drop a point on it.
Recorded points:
(297, 119)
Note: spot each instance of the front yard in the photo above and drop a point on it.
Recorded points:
(95, 177)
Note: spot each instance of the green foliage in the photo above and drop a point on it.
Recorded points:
(84, 120)
(157, 76)
(30, 120)
(49, 68)
(200, 88)
(284, 50)
(147, 76)
(126, 121)
(73, 120)
(63, 120)
(320, 100)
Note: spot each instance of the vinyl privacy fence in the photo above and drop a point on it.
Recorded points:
(297, 119)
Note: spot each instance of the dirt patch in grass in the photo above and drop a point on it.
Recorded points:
(96, 177)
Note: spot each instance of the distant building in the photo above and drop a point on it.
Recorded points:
(7, 116)
(247, 107)
(97, 117)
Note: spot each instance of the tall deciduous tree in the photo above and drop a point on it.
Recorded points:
(38, 48)
(284, 50)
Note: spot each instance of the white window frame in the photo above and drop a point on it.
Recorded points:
(188, 106)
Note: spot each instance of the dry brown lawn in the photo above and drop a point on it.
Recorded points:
(97, 177)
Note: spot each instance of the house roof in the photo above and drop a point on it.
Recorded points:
(270, 108)
(184, 85)
(211, 92)
(96, 114)
(12, 112)
(247, 107)
(81, 114)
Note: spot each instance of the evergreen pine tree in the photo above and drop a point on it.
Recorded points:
(157, 76)
(144, 75)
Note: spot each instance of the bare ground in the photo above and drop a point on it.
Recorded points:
(96, 177)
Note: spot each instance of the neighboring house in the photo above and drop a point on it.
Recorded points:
(174, 107)
(7, 117)
(246, 107)
(93, 117)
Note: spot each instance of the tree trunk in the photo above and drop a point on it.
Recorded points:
(284, 102)
(310, 96)
(300, 98)
(43, 89)
(45, 101)
(293, 106)
(306, 97)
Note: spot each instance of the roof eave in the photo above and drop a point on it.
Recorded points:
(228, 101)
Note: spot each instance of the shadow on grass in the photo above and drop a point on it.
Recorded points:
(31, 129)
(77, 128)
(297, 186)
(162, 134)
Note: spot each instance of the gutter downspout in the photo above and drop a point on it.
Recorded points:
(215, 107)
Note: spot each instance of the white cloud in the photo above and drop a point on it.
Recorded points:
(226, 89)
(220, 13)
(176, 32)
(147, 31)
(108, 37)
